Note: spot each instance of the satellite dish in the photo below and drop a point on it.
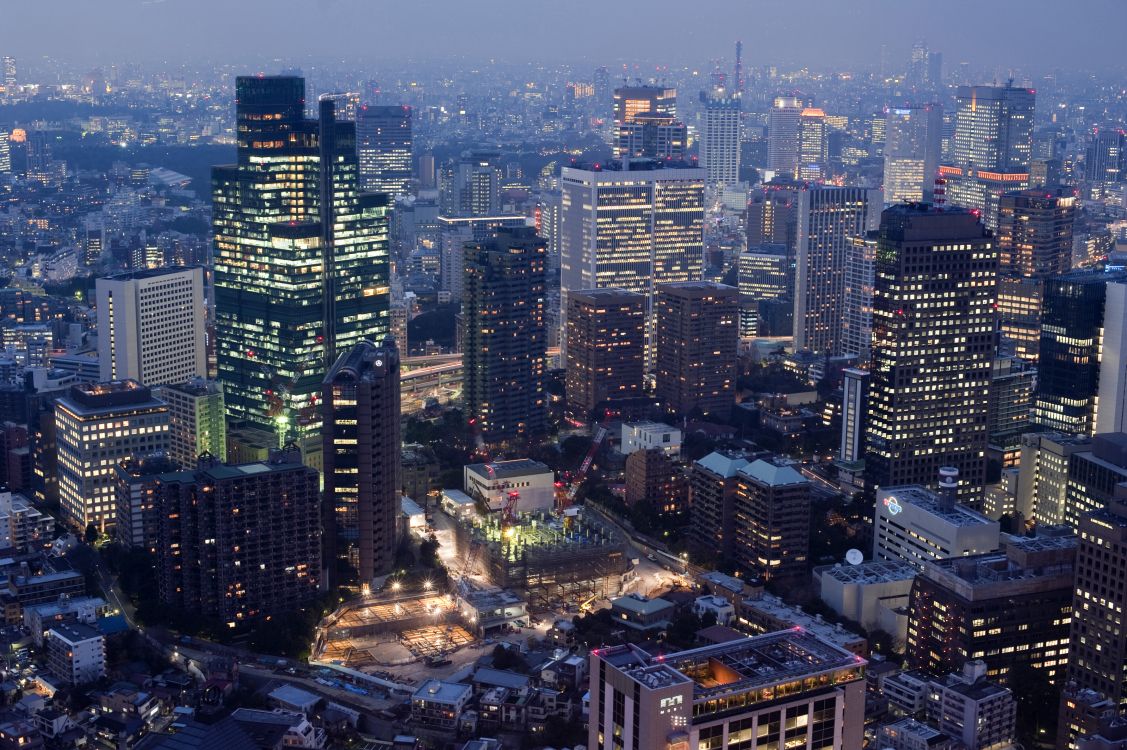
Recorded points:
(854, 557)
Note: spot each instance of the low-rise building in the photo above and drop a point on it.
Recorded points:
(487, 611)
(438, 705)
(973, 710)
(495, 481)
(909, 734)
(640, 612)
(39, 618)
(766, 613)
(76, 653)
(718, 606)
(641, 436)
(23, 528)
(874, 594)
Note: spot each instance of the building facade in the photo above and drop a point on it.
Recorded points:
(695, 353)
(606, 349)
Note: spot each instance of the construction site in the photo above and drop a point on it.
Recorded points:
(422, 626)
(549, 561)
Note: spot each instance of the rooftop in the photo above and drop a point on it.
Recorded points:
(73, 632)
(640, 605)
(722, 465)
(772, 474)
(929, 502)
(876, 571)
(737, 666)
(446, 692)
(518, 467)
(293, 695)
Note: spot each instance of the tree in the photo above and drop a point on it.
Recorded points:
(91, 535)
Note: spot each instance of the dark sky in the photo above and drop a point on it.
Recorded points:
(1030, 34)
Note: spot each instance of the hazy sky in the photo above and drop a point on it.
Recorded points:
(1030, 34)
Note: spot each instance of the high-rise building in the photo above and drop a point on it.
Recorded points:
(383, 143)
(695, 352)
(855, 402)
(720, 137)
(652, 136)
(197, 420)
(1020, 299)
(933, 347)
(785, 686)
(829, 218)
(504, 336)
(782, 135)
(360, 408)
(1042, 483)
(5, 152)
(771, 520)
(992, 147)
(1034, 232)
(473, 186)
(346, 104)
(11, 80)
(857, 317)
(911, 151)
(653, 477)
(1010, 608)
(764, 273)
(772, 215)
(301, 256)
(240, 543)
(1095, 472)
(151, 326)
(1082, 327)
(631, 228)
(712, 501)
(633, 101)
(606, 349)
(454, 233)
(1097, 641)
(1105, 161)
(96, 426)
(915, 525)
(813, 145)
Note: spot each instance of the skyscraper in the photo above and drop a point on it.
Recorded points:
(829, 218)
(1098, 642)
(10, 78)
(720, 137)
(1105, 160)
(346, 104)
(151, 326)
(857, 317)
(503, 339)
(771, 520)
(475, 188)
(652, 136)
(646, 124)
(1035, 232)
(1034, 237)
(96, 426)
(992, 147)
(5, 152)
(606, 348)
(360, 413)
(383, 143)
(1075, 319)
(765, 273)
(301, 263)
(913, 137)
(630, 228)
(782, 135)
(933, 347)
(813, 145)
(696, 340)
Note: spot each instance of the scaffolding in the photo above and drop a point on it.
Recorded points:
(546, 561)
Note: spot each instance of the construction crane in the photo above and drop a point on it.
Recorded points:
(509, 510)
(585, 466)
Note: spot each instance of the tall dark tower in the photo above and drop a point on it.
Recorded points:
(739, 79)
(504, 337)
(301, 265)
(933, 347)
(360, 413)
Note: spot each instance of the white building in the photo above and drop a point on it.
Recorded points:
(913, 137)
(23, 527)
(151, 326)
(493, 482)
(909, 734)
(76, 653)
(641, 436)
(720, 138)
(874, 594)
(197, 420)
(39, 618)
(719, 606)
(97, 425)
(915, 525)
